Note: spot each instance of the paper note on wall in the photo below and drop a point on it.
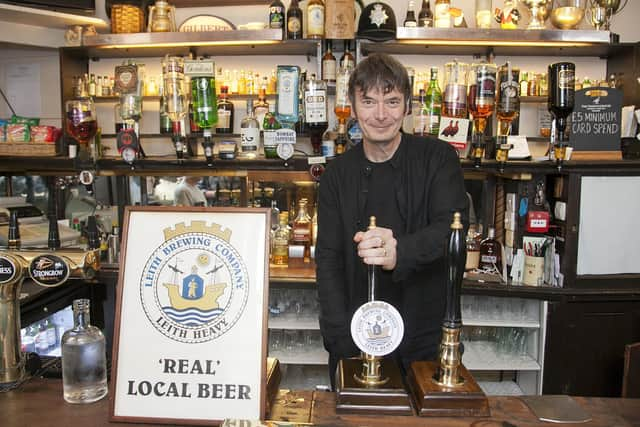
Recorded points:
(23, 89)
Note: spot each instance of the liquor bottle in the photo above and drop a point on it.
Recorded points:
(251, 90)
(442, 18)
(261, 107)
(507, 109)
(99, 86)
(52, 334)
(294, 21)
(301, 125)
(315, 19)
(225, 112)
(92, 85)
(287, 102)
(491, 253)
(270, 125)
(455, 91)
(473, 248)
(347, 60)
(481, 102)
(242, 83)
(84, 361)
(343, 105)
(410, 19)
(203, 98)
(433, 102)
(119, 122)
(342, 142)
(272, 83)
(302, 230)
(524, 82)
(425, 17)
(193, 123)
(421, 115)
(328, 65)
(249, 133)
(561, 97)
(315, 108)
(277, 16)
(280, 251)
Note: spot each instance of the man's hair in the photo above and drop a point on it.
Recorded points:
(380, 71)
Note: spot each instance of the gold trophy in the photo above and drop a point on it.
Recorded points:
(446, 388)
(372, 384)
(539, 12)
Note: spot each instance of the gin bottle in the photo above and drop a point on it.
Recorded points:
(249, 132)
(84, 360)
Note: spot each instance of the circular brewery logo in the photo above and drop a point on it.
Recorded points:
(194, 286)
(377, 328)
(49, 270)
(7, 270)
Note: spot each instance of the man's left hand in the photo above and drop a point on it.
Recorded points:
(377, 247)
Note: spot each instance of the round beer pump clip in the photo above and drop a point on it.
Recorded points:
(285, 151)
(86, 178)
(377, 328)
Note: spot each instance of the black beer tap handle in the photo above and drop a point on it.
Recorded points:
(13, 235)
(456, 255)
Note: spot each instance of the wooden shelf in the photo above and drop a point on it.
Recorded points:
(47, 18)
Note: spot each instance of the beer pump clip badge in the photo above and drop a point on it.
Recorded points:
(128, 145)
(377, 328)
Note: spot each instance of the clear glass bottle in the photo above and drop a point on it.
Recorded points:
(302, 230)
(249, 133)
(84, 360)
(473, 248)
(420, 115)
(280, 248)
(442, 18)
(342, 108)
(287, 103)
(455, 89)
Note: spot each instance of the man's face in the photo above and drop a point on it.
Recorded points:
(379, 114)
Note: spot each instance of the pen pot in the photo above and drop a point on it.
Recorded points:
(533, 270)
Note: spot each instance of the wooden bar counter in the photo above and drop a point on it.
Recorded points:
(39, 403)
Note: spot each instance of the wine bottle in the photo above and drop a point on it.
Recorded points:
(294, 21)
(425, 17)
(410, 19)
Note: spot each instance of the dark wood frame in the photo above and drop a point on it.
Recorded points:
(117, 324)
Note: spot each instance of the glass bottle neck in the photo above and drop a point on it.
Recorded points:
(81, 316)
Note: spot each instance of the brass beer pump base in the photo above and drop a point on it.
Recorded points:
(390, 398)
(435, 400)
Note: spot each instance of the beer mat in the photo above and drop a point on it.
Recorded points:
(556, 409)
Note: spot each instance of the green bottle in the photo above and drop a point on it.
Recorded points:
(433, 103)
(270, 124)
(203, 96)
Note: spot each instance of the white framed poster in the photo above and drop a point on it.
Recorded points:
(191, 325)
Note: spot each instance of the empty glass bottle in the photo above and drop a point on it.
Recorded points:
(84, 360)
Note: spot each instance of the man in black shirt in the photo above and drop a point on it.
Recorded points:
(412, 185)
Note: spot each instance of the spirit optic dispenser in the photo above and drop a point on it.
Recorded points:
(175, 101)
(562, 76)
(129, 81)
(203, 98)
(481, 102)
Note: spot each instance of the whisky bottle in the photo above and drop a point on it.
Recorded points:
(315, 19)
(433, 102)
(347, 60)
(315, 109)
(302, 230)
(225, 112)
(280, 251)
(328, 65)
(491, 253)
(294, 21)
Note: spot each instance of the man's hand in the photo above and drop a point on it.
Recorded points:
(377, 247)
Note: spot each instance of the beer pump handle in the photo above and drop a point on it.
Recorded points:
(371, 268)
(456, 255)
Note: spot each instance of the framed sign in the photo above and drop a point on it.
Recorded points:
(190, 329)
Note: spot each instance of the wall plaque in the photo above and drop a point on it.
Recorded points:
(191, 323)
